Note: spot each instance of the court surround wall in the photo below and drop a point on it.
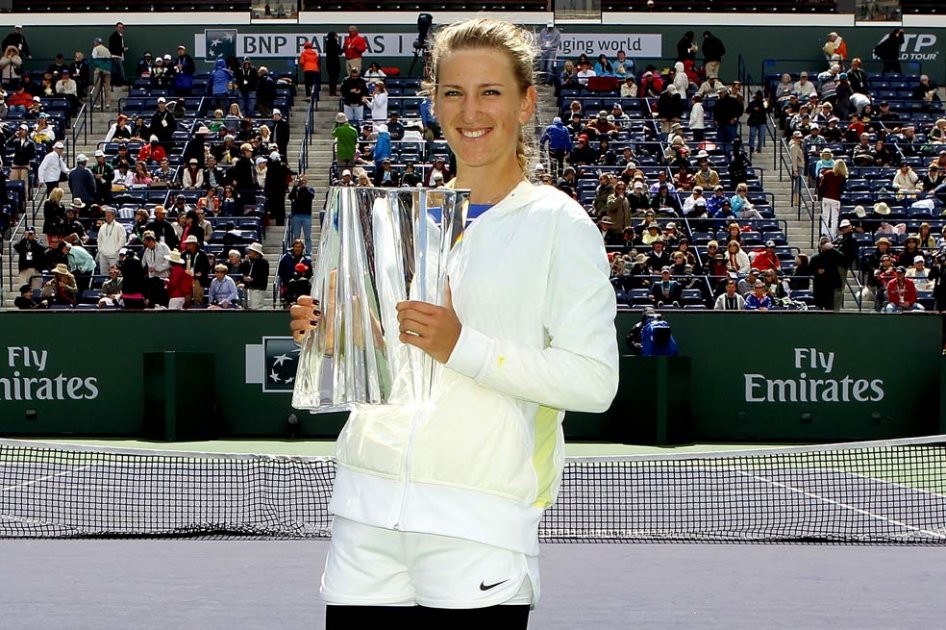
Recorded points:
(878, 376)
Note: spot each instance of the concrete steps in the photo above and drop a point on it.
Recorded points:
(100, 123)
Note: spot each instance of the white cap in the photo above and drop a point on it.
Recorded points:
(346, 172)
(276, 111)
(81, 158)
(274, 155)
(99, 153)
(36, 99)
(167, 57)
(161, 99)
(59, 145)
(917, 259)
(550, 24)
(845, 223)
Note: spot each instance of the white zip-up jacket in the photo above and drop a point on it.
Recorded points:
(52, 168)
(111, 238)
(484, 458)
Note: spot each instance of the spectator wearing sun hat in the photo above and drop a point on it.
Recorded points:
(180, 284)
(80, 262)
(255, 272)
(61, 288)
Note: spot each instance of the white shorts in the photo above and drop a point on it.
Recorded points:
(371, 566)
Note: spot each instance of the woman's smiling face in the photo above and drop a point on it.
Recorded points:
(481, 108)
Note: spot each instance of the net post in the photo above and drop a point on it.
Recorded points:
(942, 396)
(663, 394)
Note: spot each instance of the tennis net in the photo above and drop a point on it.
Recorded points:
(868, 492)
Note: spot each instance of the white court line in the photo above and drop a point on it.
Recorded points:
(45, 478)
(845, 506)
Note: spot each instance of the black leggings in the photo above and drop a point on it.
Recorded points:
(513, 617)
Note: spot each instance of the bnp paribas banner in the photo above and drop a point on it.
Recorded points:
(220, 43)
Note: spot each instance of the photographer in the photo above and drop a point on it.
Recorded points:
(301, 197)
(30, 254)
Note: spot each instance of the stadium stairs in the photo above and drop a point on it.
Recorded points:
(273, 242)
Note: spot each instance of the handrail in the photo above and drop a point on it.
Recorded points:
(78, 126)
(309, 130)
(277, 284)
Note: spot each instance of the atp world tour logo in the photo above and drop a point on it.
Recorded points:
(273, 364)
(220, 43)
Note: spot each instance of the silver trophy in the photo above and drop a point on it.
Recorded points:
(378, 247)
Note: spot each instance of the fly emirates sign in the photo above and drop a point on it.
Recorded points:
(28, 377)
(817, 380)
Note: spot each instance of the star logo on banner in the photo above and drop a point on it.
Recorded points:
(282, 359)
(220, 43)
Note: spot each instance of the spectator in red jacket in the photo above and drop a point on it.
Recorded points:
(309, 62)
(180, 285)
(354, 47)
(152, 153)
(901, 294)
(767, 259)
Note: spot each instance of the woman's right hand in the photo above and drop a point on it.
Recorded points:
(304, 315)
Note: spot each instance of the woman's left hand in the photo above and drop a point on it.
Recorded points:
(433, 329)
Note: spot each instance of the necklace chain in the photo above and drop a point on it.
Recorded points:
(503, 194)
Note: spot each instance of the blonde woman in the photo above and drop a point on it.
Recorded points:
(831, 185)
(741, 206)
(379, 106)
(428, 533)
(937, 133)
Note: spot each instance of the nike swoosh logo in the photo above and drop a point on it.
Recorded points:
(486, 587)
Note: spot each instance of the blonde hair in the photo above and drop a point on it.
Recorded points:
(840, 169)
(491, 34)
(56, 194)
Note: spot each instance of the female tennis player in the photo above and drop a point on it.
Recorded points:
(437, 512)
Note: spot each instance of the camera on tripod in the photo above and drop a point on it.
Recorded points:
(422, 43)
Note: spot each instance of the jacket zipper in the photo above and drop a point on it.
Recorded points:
(406, 467)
